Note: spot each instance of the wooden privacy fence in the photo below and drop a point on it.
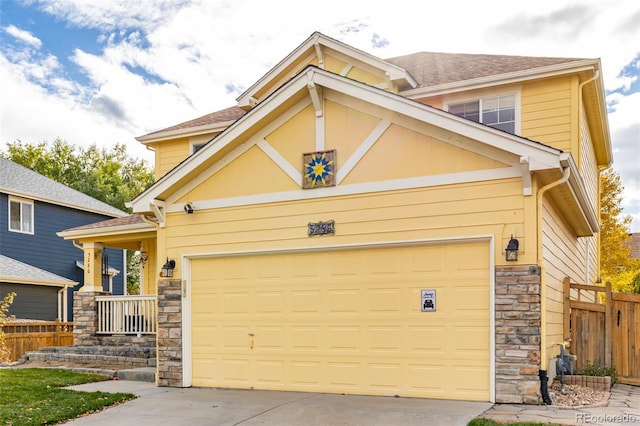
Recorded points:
(23, 337)
(603, 334)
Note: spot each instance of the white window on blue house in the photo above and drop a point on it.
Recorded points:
(498, 112)
(20, 215)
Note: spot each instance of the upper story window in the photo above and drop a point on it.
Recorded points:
(197, 147)
(498, 112)
(20, 215)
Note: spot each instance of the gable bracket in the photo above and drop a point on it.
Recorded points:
(526, 176)
(316, 94)
(158, 209)
(320, 54)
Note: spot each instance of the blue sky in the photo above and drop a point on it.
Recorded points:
(105, 71)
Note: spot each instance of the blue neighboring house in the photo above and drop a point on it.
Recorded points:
(43, 269)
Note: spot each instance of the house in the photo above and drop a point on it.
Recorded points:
(42, 269)
(373, 226)
(634, 243)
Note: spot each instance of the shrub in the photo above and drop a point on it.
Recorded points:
(592, 369)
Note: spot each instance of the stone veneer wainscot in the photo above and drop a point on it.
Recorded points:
(517, 308)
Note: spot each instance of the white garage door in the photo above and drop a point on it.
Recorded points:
(345, 322)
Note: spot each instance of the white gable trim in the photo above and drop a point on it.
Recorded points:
(317, 42)
(362, 150)
(291, 171)
(541, 157)
(360, 188)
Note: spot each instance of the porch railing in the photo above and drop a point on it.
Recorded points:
(126, 314)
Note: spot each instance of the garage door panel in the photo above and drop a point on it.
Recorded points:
(344, 321)
(428, 340)
(235, 303)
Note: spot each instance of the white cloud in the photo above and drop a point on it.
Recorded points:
(24, 36)
(200, 54)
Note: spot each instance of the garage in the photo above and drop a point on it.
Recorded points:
(345, 321)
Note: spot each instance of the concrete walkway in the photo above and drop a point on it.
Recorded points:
(194, 406)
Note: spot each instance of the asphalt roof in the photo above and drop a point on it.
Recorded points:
(427, 68)
(18, 180)
(11, 268)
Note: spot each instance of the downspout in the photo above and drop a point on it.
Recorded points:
(543, 293)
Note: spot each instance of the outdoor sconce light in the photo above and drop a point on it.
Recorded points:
(188, 208)
(167, 269)
(512, 250)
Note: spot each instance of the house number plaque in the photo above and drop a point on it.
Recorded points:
(321, 228)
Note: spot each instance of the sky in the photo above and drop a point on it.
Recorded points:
(105, 71)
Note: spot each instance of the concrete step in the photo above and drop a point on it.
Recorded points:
(145, 374)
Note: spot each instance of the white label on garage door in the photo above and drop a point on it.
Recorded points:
(428, 303)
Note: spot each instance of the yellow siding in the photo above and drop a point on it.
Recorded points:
(295, 137)
(406, 153)
(252, 173)
(485, 208)
(564, 255)
(546, 112)
(587, 159)
(169, 154)
(333, 64)
(359, 74)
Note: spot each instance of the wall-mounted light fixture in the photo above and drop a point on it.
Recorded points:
(188, 208)
(512, 250)
(167, 268)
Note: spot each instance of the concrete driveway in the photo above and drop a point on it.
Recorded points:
(194, 406)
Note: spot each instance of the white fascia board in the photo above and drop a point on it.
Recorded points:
(35, 197)
(502, 79)
(141, 203)
(393, 71)
(541, 157)
(106, 231)
(184, 133)
(18, 280)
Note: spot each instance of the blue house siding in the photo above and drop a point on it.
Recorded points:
(32, 301)
(44, 249)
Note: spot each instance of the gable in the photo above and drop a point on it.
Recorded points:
(383, 141)
(326, 53)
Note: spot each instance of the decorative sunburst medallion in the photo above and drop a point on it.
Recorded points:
(319, 169)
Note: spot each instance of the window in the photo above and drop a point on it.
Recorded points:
(21, 215)
(498, 112)
(197, 147)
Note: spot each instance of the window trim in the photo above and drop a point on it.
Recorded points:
(21, 201)
(464, 97)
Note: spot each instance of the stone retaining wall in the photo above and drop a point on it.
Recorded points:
(517, 333)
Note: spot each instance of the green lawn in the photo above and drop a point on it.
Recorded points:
(34, 396)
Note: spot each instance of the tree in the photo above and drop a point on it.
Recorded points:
(5, 303)
(614, 228)
(110, 176)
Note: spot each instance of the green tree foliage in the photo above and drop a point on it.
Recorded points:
(615, 264)
(110, 176)
(4, 319)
